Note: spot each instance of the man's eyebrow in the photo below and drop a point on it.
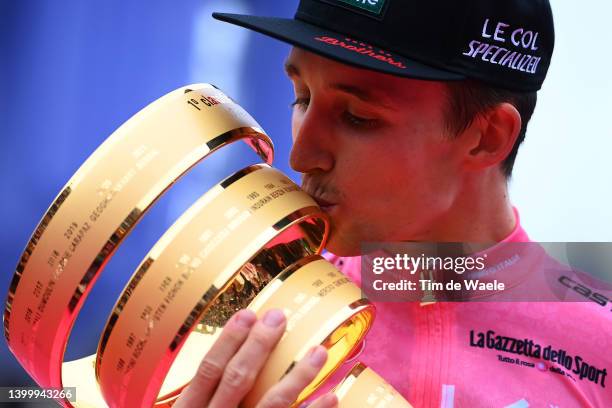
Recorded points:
(361, 93)
(291, 69)
(365, 95)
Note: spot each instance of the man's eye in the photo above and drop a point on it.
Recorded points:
(357, 121)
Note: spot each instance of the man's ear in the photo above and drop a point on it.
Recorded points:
(491, 136)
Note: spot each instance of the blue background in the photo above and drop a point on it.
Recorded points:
(71, 72)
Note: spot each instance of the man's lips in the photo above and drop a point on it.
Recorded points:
(323, 203)
(317, 191)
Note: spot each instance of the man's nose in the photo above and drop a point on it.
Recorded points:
(312, 149)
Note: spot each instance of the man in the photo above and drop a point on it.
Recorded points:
(407, 120)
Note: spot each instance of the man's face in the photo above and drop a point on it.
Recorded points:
(374, 151)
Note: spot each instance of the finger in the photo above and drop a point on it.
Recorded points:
(241, 372)
(210, 370)
(329, 400)
(291, 385)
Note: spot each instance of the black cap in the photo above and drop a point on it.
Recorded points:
(505, 43)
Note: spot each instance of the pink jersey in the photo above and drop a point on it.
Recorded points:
(489, 354)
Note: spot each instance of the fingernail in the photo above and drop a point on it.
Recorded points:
(318, 356)
(274, 318)
(245, 318)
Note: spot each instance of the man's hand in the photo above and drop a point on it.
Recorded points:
(228, 371)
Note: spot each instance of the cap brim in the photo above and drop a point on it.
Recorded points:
(336, 46)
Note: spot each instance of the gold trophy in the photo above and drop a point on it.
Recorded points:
(253, 240)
